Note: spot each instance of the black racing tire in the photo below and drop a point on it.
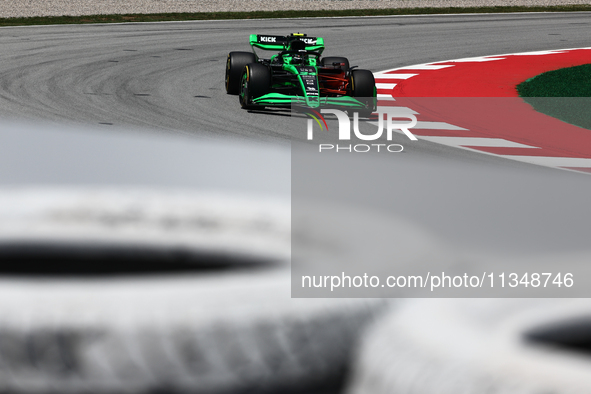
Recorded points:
(363, 87)
(496, 346)
(234, 68)
(330, 60)
(202, 331)
(255, 82)
(161, 288)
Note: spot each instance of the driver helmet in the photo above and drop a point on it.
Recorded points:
(298, 45)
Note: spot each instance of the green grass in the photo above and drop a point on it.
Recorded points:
(564, 94)
(55, 20)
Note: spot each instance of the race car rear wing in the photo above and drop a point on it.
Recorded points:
(280, 43)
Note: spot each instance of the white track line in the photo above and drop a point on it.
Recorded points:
(424, 66)
(475, 141)
(385, 85)
(538, 53)
(394, 76)
(550, 161)
(402, 110)
(436, 126)
(476, 59)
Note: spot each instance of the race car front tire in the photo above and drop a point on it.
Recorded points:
(363, 87)
(256, 82)
(234, 68)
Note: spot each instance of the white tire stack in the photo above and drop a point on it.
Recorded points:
(232, 330)
(492, 346)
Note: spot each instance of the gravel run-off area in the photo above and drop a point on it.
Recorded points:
(27, 8)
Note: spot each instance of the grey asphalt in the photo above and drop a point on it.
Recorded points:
(167, 78)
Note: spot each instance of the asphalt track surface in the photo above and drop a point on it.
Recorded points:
(168, 78)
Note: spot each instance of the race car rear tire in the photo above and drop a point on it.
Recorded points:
(331, 60)
(363, 87)
(256, 82)
(234, 68)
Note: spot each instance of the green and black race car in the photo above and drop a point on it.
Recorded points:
(298, 74)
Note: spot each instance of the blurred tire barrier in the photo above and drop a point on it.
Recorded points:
(134, 291)
(450, 346)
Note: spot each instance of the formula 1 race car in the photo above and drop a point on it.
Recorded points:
(298, 74)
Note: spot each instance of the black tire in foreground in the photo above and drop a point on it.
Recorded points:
(182, 285)
(496, 346)
(234, 67)
(256, 82)
(109, 291)
(335, 61)
(363, 87)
